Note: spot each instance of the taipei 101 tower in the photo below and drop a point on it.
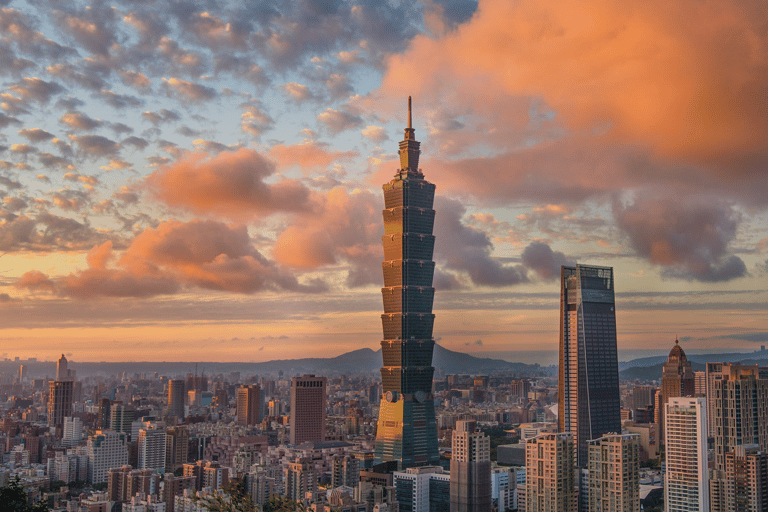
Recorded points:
(406, 430)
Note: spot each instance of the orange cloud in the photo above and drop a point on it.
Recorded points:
(689, 80)
(229, 184)
(308, 155)
(35, 281)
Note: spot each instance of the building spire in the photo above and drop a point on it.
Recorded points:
(409, 149)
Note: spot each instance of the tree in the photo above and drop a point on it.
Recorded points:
(223, 502)
(14, 499)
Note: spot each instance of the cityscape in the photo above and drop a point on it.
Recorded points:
(226, 285)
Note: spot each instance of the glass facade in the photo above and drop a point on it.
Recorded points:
(407, 430)
(588, 385)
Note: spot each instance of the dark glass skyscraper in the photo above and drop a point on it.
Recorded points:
(588, 386)
(406, 430)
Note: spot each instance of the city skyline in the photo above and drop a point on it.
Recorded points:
(207, 176)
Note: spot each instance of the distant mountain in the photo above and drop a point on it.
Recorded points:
(698, 363)
(363, 360)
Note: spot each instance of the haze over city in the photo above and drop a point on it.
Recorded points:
(196, 180)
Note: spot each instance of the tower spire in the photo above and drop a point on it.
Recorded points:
(409, 149)
(410, 119)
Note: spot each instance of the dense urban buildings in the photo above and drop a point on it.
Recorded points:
(307, 409)
(677, 379)
(470, 469)
(588, 384)
(407, 429)
(249, 405)
(686, 479)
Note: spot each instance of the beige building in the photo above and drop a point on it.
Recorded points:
(249, 405)
(746, 479)
(470, 469)
(614, 473)
(549, 468)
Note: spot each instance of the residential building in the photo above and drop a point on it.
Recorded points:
(686, 477)
(550, 484)
(152, 439)
(471, 489)
(614, 473)
(107, 449)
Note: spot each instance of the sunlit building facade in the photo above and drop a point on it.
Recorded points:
(407, 430)
(686, 480)
(588, 382)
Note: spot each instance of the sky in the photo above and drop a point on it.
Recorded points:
(201, 180)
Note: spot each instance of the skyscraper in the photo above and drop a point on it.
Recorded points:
(248, 405)
(406, 429)
(686, 481)
(589, 403)
(176, 396)
(59, 402)
(470, 469)
(677, 379)
(307, 409)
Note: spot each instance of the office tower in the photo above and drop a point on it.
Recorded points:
(103, 415)
(406, 429)
(676, 380)
(549, 473)
(299, 477)
(470, 469)
(22, 374)
(614, 473)
(307, 409)
(423, 489)
(59, 402)
(152, 439)
(107, 449)
(249, 405)
(739, 399)
(176, 399)
(121, 418)
(642, 396)
(686, 480)
(62, 372)
(176, 447)
(72, 431)
(589, 403)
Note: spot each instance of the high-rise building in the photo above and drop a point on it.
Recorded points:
(549, 473)
(72, 431)
(107, 449)
(307, 409)
(739, 400)
(686, 480)
(422, 489)
(59, 402)
(470, 469)
(176, 399)
(249, 405)
(152, 439)
(614, 473)
(589, 403)
(700, 383)
(103, 415)
(676, 380)
(406, 429)
(744, 481)
(121, 418)
(300, 479)
(62, 372)
(176, 447)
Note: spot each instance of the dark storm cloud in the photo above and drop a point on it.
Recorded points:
(540, 257)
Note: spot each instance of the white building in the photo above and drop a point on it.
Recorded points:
(152, 447)
(73, 431)
(686, 481)
(143, 503)
(107, 449)
(414, 485)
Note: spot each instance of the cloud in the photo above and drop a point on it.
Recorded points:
(6, 120)
(308, 155)
(160, 117)
(467, 250)
(184, 90)
(36, 134)
(375, 133)
(229, 184)
(119, 101)
(539, 257)
(337, 121)
(637, 73)
(35, 281)
(96, 146)
(255, 120)
(689, 236)
(201, 254)
(299, 93)
(37, 89)
(92, 29)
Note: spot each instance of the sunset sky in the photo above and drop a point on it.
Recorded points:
(201, 180)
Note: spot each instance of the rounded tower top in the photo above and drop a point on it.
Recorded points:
(677, 353)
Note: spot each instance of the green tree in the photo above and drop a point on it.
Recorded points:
(223, 502)
(14, 498)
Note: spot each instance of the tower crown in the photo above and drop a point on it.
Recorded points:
(409, 150)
